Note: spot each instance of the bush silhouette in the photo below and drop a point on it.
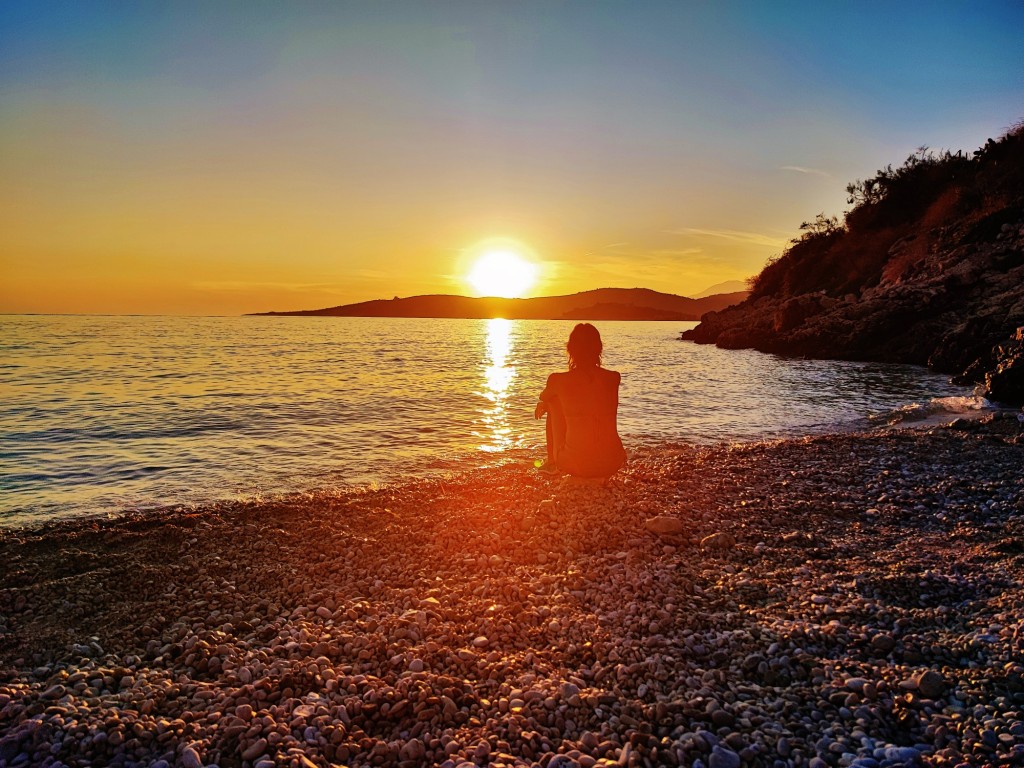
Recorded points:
(892, 205)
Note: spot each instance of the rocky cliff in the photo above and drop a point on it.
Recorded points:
(927, 268)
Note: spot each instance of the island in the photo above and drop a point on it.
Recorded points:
(598, 304)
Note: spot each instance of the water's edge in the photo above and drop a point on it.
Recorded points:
(102, 415)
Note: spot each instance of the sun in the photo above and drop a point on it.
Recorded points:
(502, 273)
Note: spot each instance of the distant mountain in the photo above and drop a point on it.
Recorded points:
(599, 304)
(729, 286)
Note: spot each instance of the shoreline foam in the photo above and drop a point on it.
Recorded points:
(863, 601)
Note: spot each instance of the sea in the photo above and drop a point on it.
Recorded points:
(103, 415)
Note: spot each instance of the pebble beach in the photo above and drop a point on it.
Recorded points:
(840, 600)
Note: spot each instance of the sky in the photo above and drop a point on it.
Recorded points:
(230, 157)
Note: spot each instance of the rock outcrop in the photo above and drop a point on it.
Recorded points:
(1006, 381)
(947, 291)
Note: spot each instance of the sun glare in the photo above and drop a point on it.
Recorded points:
(502, 273)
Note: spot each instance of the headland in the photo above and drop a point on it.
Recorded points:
(927, 268)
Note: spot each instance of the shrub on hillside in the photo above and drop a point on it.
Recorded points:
(846, 258)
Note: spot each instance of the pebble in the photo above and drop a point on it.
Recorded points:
(664, 525)
(930, 684)
(255, 749)
(722, 719)
(435, 632)
(883, 643)
(783, 747)
(190, 758)
(904, 755)
(723, 758)
(720, 540)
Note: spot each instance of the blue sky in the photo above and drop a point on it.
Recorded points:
(209, 157)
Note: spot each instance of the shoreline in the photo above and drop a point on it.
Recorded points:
(858, 602)
(914, 417)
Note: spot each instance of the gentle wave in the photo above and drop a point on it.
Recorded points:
(103, 414)
(935, 409)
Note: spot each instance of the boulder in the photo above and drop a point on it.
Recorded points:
(1005, 383)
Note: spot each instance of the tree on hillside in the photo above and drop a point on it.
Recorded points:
(821, 226)
(877, 188)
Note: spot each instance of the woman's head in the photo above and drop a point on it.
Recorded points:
(584, 346)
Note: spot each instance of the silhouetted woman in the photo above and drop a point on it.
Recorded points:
(582, 405)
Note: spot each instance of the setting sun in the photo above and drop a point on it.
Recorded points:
(502, 273)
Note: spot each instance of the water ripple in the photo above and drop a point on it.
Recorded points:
(101, 414)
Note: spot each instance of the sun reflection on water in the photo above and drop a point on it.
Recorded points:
(498, 375)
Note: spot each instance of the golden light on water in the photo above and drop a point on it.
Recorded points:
(497, 379)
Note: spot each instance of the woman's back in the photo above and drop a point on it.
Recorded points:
(588, 398)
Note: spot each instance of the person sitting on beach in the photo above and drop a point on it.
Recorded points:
(581, 406)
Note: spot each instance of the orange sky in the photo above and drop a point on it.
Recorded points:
(201, 160)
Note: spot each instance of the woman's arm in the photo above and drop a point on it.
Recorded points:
(547, 396)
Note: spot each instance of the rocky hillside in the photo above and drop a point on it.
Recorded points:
(927, 268)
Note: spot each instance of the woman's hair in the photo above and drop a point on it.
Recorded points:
(584, 346)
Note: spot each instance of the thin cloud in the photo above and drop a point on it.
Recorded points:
(676, 252)
(649, 254)
(372, 274)
(238, 285)
(733, 235)
(806, 171)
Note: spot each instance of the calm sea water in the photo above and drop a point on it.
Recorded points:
(104, 414)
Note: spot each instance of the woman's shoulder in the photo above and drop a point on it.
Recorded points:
(556, 379)
(610, 374)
